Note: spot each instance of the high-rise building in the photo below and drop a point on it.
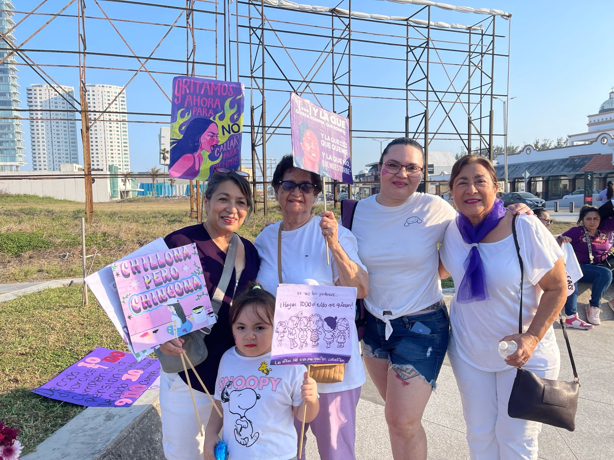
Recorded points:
(12, 151)
(53, 129)
(109, 135)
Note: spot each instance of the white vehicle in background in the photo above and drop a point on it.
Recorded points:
(577, 197)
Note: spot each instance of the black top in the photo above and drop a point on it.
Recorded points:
(212, 259)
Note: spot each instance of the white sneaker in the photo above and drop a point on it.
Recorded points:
(575, 322)
(592, 315)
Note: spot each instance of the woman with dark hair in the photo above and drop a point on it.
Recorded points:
(294, 251)
(607, 193)
(190, 154)
(310, 146)
(479, 251)
(228, 201)
(591, 243)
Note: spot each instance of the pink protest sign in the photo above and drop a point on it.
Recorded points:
(160, 290)
(313, 324)
(320, 140)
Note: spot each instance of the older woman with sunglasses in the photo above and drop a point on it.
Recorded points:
(298, 244)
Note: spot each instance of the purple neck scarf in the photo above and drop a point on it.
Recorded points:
(473, 285)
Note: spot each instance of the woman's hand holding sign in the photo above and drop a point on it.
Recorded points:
(330, 228)
(172, 347)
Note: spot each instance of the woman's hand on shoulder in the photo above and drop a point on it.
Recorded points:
(330, 227)
(562, 239)
(172, 347)
(519, 208)
(527, 343)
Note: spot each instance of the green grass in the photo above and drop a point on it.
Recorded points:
(42, 334)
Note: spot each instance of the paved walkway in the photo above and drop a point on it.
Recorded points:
(12, 291)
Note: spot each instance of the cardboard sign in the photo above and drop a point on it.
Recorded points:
(104, 378)
(313, 324)
(320, 140)
(206, 127)
(102, 284)
(163, 294)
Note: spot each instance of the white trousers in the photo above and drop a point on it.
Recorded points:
(491, 433)
(180, 435)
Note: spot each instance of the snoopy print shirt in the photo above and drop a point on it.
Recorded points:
(257, 400)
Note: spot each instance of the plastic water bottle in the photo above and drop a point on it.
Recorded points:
(507, 348)
(221, 451)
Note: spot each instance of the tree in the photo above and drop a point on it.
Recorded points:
(164, 155)
(126, 179)
(172, 181)
(155, 173)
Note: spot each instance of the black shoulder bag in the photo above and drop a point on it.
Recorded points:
(552, 402)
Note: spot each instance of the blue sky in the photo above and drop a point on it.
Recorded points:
(561, 68)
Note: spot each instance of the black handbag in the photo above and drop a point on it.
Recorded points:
(552, 402)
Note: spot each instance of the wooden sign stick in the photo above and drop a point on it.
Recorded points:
(204, 387)
(325, 240)
(300, 444)
(200, 425)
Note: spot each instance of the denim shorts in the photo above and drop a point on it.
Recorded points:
(408, 350)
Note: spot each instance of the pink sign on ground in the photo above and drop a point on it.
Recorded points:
(160, 290)
(313, 324)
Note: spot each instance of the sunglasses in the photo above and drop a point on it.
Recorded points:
(546, 221)
(289, 186)
(228, 171)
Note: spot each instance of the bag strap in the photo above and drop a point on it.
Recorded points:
(588, 245)
(561, 322)
(279, 255)
(229, 265)
(348, 208)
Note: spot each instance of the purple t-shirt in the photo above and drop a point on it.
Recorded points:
(600, 244)
(212, 259)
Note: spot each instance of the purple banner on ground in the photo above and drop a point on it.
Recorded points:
(104, 378)
(313, 324)
(206, 127)
(320, 140)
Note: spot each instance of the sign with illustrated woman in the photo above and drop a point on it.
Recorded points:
(206, 127)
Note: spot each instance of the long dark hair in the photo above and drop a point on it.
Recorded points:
(190, 142)
(610, 190)
(584, 211)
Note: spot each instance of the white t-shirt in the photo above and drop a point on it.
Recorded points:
(257, 400)
(303, 256)
(574, 272)
(477, 327)
(398, 244)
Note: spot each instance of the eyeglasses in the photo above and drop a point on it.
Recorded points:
(290, 186)
(395, 168)
(228, 171)
(546, 221)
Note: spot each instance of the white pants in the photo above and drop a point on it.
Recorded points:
(491, 433)
(180, 436)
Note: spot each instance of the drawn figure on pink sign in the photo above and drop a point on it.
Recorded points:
(343, 332)
(315, 326)
(280, 331)
(303, 331)
(330, 325)
(293, 323)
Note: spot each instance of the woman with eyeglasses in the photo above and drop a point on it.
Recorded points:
(228, 201)
(297, 244)
(406, 336)
(190, 154)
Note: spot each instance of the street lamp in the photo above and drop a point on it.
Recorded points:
(381, 141)
(507, 185)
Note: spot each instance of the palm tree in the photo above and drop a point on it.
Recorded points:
(126, 179)
(164, 155)
(155, 173)
(172, 181)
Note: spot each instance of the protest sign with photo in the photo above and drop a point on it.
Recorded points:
(102, 284)
(163, 295)
(206, 127)
(104, 378)
(313, 324)
(320, 140)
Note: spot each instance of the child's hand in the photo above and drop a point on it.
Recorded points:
(309, 389)
(210, 447)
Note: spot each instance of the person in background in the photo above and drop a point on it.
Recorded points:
(607, 193)
(480, 253)
(228, 201)
(590, 254)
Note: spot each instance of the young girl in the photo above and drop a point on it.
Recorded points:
(259, 401)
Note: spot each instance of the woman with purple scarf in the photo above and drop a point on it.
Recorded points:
(480, 254)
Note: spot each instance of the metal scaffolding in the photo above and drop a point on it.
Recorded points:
(404, 75)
